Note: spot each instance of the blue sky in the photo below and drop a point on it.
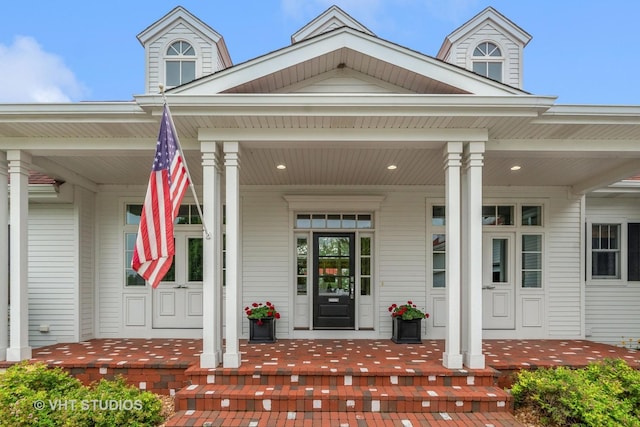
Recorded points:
(583, 51)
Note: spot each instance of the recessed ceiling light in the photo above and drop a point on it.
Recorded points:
(281, 167)
(516, 167)
(392, 167)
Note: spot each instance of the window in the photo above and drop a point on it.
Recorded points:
(497, 215)
(302, 262)
(605, 251)
(365, 265)
(439, 249)
(633, 249)
(334, 221)
(487, 61)
(180, 64)
(532, 215)
(531, 260)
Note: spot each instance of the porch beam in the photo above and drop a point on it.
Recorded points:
(452, 357)
(412, 137)
(612, 176)
(212, 301)
(4, 257)
(231, 357)
(19, 163)
(473, 163)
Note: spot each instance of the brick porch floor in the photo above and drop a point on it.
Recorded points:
(168, 365)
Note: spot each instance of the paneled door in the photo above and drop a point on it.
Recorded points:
(498, 284)
(177, 301)
(334, 281)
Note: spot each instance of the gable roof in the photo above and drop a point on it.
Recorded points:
(489, 14)
(349, 48)
(332, 18)
(181, 15)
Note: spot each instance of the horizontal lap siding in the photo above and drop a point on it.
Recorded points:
(612, 308)
(52, 273)
(265, 256)
(402, 253)
(110, 263)
(86, 220)
(564, 313)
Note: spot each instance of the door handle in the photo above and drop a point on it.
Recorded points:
(181, 287)
(489, 287)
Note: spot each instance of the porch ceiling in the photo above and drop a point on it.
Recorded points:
(330, 140)
(349, 166)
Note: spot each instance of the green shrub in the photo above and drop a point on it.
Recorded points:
(602, 394)
(35, 395)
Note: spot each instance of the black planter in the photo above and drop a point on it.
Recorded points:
(407, 331)
(262, 330)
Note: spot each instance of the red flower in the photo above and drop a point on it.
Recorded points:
(255, 304)
(277, 315)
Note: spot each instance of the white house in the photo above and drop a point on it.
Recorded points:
(338, 175)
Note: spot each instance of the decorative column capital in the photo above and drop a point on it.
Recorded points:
(474, 154)
(453, 154)
(231, 153)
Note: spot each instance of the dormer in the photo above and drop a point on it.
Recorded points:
(180, 48)
(332, 18)
(490, 45)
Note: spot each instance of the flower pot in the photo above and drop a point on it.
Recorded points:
(262, 330)
(406, 331)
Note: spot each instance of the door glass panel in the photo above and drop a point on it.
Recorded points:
(365, 265)
(195, 259)
(302, 254)
(500, 264)
(334, 272)
(439, 249)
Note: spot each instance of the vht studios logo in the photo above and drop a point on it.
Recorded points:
(85, 405)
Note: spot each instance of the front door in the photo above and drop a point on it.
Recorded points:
(177, 301)
(334, 281)
(498, 283)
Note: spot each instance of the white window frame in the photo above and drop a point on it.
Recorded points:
(623, 251)
(486, 59)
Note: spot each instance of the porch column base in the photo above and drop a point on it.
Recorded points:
(231, 360)
(474, 361)
(209, 360)
(3, 353)
(18, 354)
(452, 361)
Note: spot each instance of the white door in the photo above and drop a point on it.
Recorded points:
(498, 281)
(177, 301)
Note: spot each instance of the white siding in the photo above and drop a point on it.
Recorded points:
(266, 255)
(511, 52)
(208, 57)
(565, 276)
(85, 204)
(402, 246)
(612, 307)
(52, 273)
(110, 265)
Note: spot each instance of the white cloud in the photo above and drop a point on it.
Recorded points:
(29, 74)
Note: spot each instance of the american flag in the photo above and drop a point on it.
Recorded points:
(168, 182)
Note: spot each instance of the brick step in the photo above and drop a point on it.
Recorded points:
(285, 398)
(311, 419)
(342, 377)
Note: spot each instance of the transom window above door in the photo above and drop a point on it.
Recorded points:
(334, 221)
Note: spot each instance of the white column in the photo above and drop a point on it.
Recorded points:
(474, 154)
(452, 357)
(231, 358)
(4, 257)
(19, 216)
(212, 302)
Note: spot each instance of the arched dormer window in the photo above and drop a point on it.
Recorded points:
(487, 60)
(180, 64)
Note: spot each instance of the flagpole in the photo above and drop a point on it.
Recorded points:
(186, 167)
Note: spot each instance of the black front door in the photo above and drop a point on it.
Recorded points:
(334, 280)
